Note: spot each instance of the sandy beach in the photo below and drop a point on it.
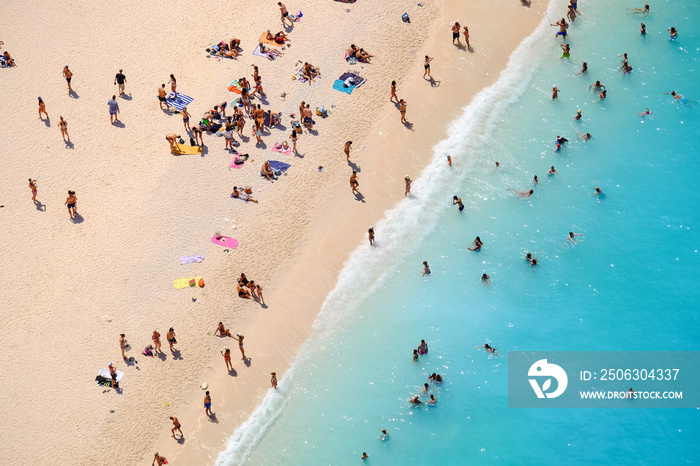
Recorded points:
(75, 285)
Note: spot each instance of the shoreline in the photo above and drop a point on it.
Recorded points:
(143, 208)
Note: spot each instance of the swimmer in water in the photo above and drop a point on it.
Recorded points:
(603, 95)
(535, 180)
(532, 260)
(437, 378)
(364, 456)
(385, 435)
(552, 171)
(567, 51)
(585, 137)
(561, 140)
(597, 85)
(423, 347)
(426, 387)
(584, 68)
(488, 348)
(476, 244)
(426, 269)
(578, 115)
(673, 32)
(525, 193)
(415, 356)
(416, 401)
(643, 30)
(458, 201)
(449, 160)
(433, 401)
(646, 112)
(485, 279)
(626, 68)
(571, 237)
(678, 97)
(644, 10)
(559, 148)
(497, 165)
(555, 92)
(370, 233)
(598, 192)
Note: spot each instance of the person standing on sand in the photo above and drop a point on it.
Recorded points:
(42, 109)
(122, 345)
(455, 33)
(173, 86)
(260, 295)
(176, 426)
(32, 186)
(207, 404)
(354, 183)
(171, 338)
(347, 150)
(113, 109)
(156, 341)
(63, 126)
(273, 380)
(426, 269)
(426, 66)
(113, 373)
(408, 182)
(393, 92)
(186, 119)
(197, 131)
(370, 234)
(240, 343)
(294, 138)
(71, 203)
(284, 14)
(402, 110)
(68, 74)
(162, 97)
(226, 353)
(121, 80)
(466, 37)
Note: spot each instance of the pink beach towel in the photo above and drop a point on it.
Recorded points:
(225, 241)
(233, 164)
(281, 150)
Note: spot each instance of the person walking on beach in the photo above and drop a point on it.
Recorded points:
(226, 353)
(466, 37)
(273, 380)
(426, 269)
(162, 97)
(32, 186)
(156, 341)
(455, 33)
(176, 426)
(408, 182)
(171, 338)
(240, 343)
(402, 110)
(347, 150)
(354, 183)
(120, 79)
(68, 74)
(426, 66)
(173, 86)
(370, 234)
(113, 109)
(393, 93)
(42, 109)
(456, 200)
(284, 15)
(207, 404)
(71, 203)
(122, 345)
(63, 126)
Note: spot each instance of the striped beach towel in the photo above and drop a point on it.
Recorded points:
(181, 102)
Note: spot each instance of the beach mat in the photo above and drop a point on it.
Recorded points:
(281, 150)
(105, 374)
(281, 166)
(235, 86)
(339, 85)
(299, 75)
(181, 283)
(235, 165)
(190, 259)
(225, 241)
(264, 39)
(187, 150)
(262, 54)
(181, 102)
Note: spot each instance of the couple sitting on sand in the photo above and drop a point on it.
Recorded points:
(229, 50)
(358, 54)
(279, 38)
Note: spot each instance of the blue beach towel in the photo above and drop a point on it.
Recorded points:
(281, 166)
(181, 102)
(339, 85)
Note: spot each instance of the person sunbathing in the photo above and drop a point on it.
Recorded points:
(8, 58)
(267, 171)
(234, 44)
(229, 53)
(363, 56)
(271, 53)
(310, 72)
(281, 38)
(244, 194)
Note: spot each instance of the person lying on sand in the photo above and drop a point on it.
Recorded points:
(238, 194)
(271, 53)
(310, 72)
(279, 38)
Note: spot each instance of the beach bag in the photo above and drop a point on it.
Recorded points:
(193, 282)
(201, 283)
(320, 111)
(193, 142)
(405, 18)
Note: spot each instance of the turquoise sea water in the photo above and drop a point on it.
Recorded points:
(630, 283)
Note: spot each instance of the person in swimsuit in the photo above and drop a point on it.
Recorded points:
(294, 138)
(415, 356)
(284, 15)
(563, 26)
(426, 66)
(596, 86)
(364, 456)
(385, 435)
(242, 292)
(223, 331)
(186, 118)
(243, 279)
(32, 186)
(171, 338)
(603, 95)
(455, 33)
(578, 115)
(426, 387)
(426, 269)
(354, 183)
(71, 203)
(370, 234)
(240, 343)
(584, 68)
(552, 171)
(245, 99)
(485, 279)
(122, 344)
(673, 33)
(8, 58)
(227, 357)
(598, 192)
(643, 29)
(260, 295)
(63, 126)
(535, 180)
(432, 401)
(488, 348)
(347, 150)
(273, 380)
(173, 86)
(571, 237)
(644, 10)
(113, 373)
(555, 92)
(156, 341)
(158, 460)
(402, 110)
(423, 347)
(571, 13)
(466, 37)
(42, 109)
(525, 193)
(407, 182)
(477, 244)
(646, 112)
(567, 51)
(162, 97)
(176, 426)
(207, 404)
(172, 139)
(197, 131)
(68, 74)
(416, 400)
(393, 92)
(532, 260)
(456, 200)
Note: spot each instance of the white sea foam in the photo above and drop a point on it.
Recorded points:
(402, 229)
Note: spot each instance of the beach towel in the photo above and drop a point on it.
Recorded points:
(180, 149)
(278, 148)
(352, 79)
(235, 165)
(339, 85)
(181, 283)
(106, 374)
(263, 38)
(190, 259)
(225, 241)
(235, 86)
(263, 54)
(181, 101)
(277, 165)
(299, 75)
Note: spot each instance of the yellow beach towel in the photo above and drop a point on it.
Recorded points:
(181, 283)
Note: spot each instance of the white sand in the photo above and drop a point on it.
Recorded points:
(73, 287)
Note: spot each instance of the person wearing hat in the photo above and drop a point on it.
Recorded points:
(240, 344)
(408, 185)
(370, 232)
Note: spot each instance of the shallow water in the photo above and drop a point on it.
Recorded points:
(630, 283)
